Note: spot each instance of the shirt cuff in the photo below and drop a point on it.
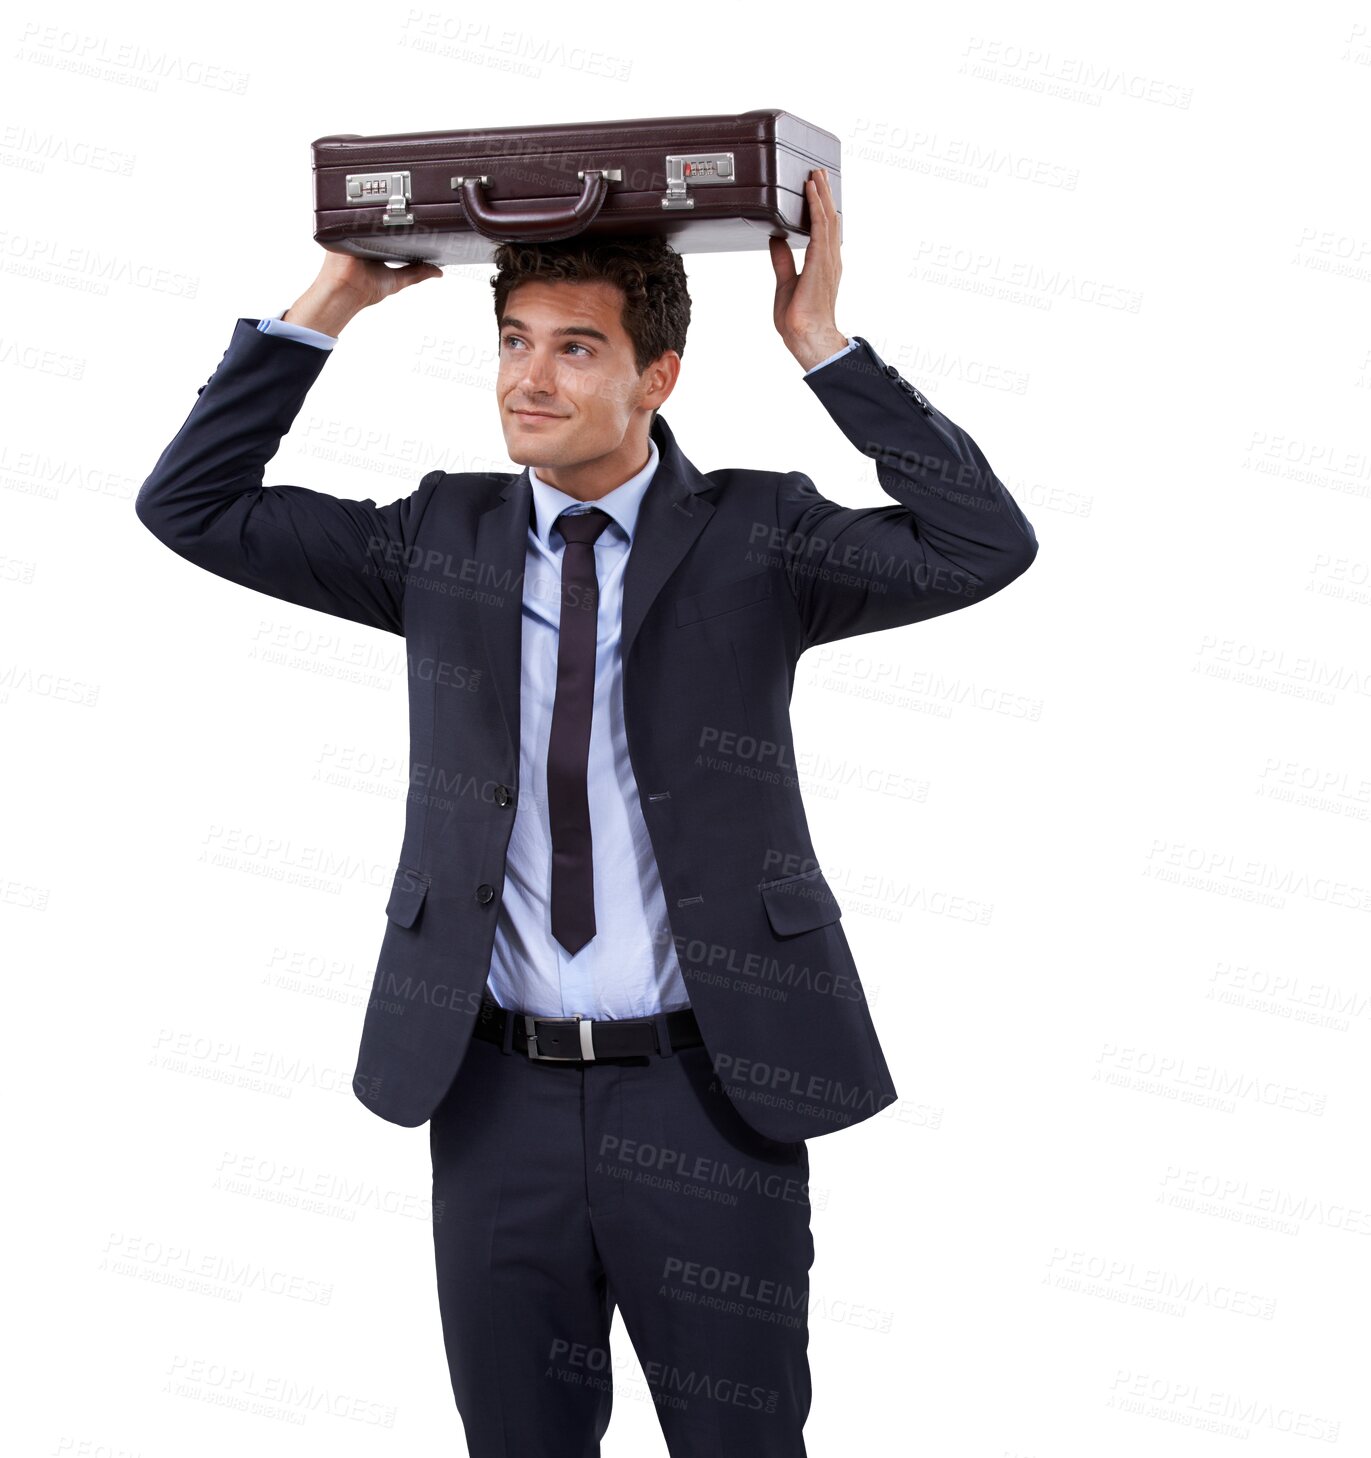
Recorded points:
(837, 354)
(277, 325)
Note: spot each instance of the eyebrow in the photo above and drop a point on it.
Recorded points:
(585, 329)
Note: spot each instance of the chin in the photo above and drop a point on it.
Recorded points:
(525, 454)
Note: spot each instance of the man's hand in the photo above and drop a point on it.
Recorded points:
(347, 285)
(805, 302)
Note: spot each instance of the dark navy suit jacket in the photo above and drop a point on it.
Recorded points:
(733, 575)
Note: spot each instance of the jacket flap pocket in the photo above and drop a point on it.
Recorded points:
(799, 903)
(721, 599)
(406, 896)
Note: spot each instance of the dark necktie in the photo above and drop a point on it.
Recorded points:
(573, 880)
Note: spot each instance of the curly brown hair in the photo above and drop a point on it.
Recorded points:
(647, 270)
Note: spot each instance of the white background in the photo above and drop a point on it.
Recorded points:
(1100, 840)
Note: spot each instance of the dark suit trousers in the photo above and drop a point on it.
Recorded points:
(562, 1192)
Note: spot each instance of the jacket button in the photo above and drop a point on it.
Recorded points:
(485, 892)
(891, 371)
(502, 795)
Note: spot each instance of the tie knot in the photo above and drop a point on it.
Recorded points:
(582, 526)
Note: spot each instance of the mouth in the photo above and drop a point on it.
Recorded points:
(535, 415)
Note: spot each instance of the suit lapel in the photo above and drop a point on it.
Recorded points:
(501, 551)
(671, 517)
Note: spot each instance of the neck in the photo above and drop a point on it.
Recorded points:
(590, 480)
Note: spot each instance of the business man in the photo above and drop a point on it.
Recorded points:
(613, 978)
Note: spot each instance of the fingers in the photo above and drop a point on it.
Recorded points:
(782, 260)
(823, 211)
(416, 272)
(823, 252)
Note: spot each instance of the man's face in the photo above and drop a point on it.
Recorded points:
(565, 355)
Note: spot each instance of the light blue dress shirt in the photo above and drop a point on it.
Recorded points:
(629, 968)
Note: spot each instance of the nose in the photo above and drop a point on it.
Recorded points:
(538, 372)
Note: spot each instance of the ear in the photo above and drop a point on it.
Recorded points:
(660, 378)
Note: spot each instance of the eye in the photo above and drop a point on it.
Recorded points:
(515, 339)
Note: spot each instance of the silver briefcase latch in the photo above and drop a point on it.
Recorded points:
(694, 169)
(390, 189)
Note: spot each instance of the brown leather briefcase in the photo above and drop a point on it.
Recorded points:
(711, 184)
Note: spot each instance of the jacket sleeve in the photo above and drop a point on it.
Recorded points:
(206, 501)
(954, 536)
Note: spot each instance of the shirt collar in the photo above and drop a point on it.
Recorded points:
(621, 503)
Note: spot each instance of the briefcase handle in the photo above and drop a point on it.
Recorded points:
(543, 225)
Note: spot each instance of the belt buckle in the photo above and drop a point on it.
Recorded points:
(587, 1052)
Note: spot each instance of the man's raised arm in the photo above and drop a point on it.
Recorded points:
(954, 536)
(205, 498)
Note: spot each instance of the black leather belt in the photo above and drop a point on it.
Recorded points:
(584, 1040)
